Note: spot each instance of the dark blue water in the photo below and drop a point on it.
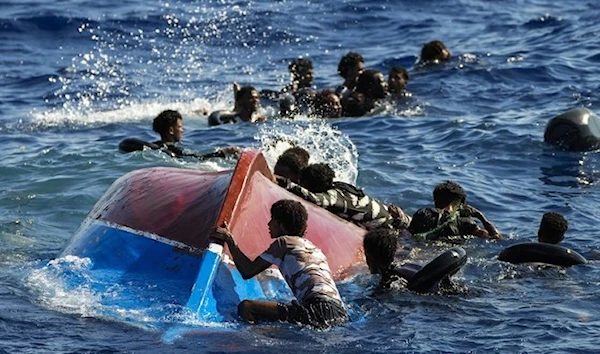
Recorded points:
(76, 77)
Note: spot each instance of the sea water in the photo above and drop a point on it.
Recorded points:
(78, 76)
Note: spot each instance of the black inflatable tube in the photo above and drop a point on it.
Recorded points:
(535, 252)
(443, 266)
(574, 130)
(133, 144)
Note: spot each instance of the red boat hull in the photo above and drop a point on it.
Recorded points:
(185, 205)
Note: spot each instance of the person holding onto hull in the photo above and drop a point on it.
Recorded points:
(289, 165)
(316, 185)
(451, 216)
(302, 153)
(169, 124)
(303, 265)
(246, 109)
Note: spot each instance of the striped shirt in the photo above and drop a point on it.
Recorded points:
(347, 202)
(304, 267)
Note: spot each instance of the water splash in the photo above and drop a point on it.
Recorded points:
(325, 143)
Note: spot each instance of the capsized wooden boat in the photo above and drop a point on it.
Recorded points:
(152, 226)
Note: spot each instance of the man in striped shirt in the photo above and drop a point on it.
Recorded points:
(302, 264)
(348, 202)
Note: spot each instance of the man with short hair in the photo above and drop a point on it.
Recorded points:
(289, 166)
(350, 67)
(552, 228)
(380, 247)
(397, 81)
(316, 185)
(302, 264)
(246, 108)
(450, 217)
(434, 52)
(169, 124)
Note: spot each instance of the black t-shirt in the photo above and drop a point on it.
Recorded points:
(433, 224)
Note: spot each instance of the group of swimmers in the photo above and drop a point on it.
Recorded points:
(304, 267)
(318, 302)
(358, 95)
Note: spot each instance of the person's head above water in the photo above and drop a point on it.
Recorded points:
(247, 102)
(371, 83)
(552, 228)
(317, 178)
(380, 247)
(434, 52)
(327, 104)
(300, 151)
(169, 124)
(350, 67)
(289, 166)
(448, 195)
(397, 80)
(301, 70)
(288, 217)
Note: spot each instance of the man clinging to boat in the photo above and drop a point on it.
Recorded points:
(317, 185)
(291, 162)
(302, 264)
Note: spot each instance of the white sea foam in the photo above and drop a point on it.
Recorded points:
(325, 143)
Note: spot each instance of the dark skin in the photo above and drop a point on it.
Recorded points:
(251, 310)
(388, 271)
(490, 230)
(244, 265)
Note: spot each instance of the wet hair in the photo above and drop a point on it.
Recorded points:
(165, 120)
(380, 245)
(323, 104)
(447, 193)
(552, 228)
(293, 162)
(302, 153)
(317, 178)
(291, 214)
(423, 220)
(299, 65)
(399, 70)
(243, 92)
(355, 105)
(434, 51)
(370, 84)
(348, 61)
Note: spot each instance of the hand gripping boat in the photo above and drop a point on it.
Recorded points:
(151, 228)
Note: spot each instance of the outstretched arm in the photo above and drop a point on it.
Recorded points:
(244, 265)
(221, 153)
